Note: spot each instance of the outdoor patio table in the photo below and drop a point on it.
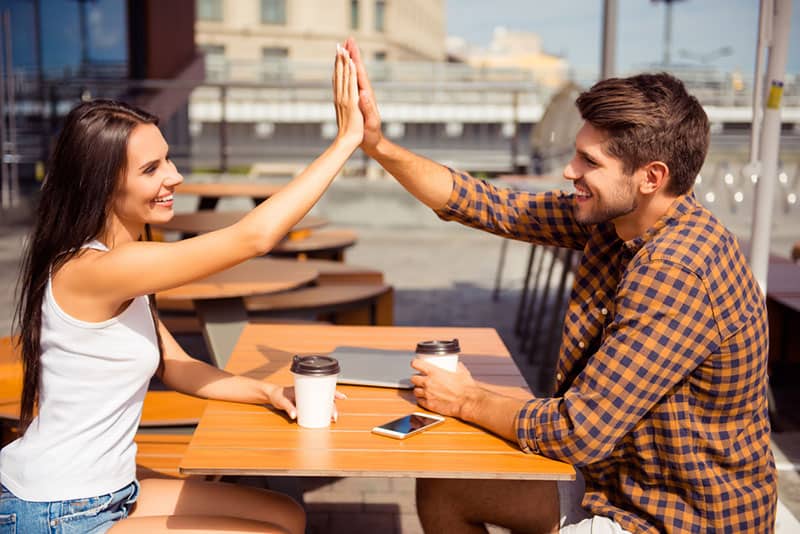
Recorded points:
(210, 192)
(204, 221)
(783, 279)
(219, 299)
(240, 439)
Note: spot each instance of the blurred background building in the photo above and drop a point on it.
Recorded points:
(509, 49)
(244, 82)
(274, 34)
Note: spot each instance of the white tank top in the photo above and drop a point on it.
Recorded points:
(93, 381)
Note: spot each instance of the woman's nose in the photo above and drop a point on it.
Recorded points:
(174, 178)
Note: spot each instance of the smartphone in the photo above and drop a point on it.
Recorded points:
(408, 425)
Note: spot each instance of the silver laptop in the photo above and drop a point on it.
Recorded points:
(375, 367)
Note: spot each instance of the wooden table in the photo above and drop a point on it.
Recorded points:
(239, 439)
(211, 192)
(204, 221)
(219, 299)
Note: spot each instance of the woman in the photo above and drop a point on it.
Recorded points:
(91, 339)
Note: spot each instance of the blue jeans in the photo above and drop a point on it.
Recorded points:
(93, 515)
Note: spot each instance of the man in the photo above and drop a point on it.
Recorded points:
(661, 380)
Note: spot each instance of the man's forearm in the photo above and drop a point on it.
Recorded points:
(493, 411)
(427, 180)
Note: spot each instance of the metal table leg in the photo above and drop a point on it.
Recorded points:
(222, 321)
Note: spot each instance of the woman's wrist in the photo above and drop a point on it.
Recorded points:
(348, 141)
(268, 390)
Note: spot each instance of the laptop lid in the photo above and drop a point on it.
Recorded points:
(375, 367)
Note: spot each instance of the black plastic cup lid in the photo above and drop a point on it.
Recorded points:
(315, 365)
(438, 347)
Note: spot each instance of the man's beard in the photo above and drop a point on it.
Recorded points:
(605, 213)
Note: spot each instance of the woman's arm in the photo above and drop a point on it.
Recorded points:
(187, 375)
(139, 268)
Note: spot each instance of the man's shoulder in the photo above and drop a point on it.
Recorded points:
(696, 240)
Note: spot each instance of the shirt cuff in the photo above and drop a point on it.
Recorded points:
(526, 426)
(462, 188)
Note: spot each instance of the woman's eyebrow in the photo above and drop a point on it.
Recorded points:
(148, 164)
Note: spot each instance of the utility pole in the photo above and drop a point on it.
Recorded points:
(666, 58)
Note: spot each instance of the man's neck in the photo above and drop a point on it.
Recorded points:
(645, 216)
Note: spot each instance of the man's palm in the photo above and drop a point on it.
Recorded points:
(367, 104)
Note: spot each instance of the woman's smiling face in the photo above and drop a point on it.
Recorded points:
(149, 180)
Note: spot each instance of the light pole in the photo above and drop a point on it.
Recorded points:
(667, 29)
(84, 33)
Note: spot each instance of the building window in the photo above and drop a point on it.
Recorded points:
(209, 10)
(275, 63)
(216, 66)
(380, 15)
(380, 56)
(273, 11)
(353, 14)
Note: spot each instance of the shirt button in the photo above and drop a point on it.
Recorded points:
(581, 344)
(559, 376)
(604, 311)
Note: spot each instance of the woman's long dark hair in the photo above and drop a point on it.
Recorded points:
(84, 172)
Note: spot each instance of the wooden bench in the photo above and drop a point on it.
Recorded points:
(168, 418)
(158, 455)
(337, 303)
(371, 304)
(178, 315)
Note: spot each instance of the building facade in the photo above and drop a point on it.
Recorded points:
(240, 34)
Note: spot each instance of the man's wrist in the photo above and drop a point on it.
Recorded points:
(379, 150)
(474, 398)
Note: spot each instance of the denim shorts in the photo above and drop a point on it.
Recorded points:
(93, 515)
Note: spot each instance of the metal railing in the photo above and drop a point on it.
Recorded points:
(477, 125)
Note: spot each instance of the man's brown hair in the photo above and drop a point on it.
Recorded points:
(650, 117)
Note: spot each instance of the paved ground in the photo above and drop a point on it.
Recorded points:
(443, 275)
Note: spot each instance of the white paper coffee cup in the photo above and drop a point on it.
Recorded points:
(443, 354)
(314, 389)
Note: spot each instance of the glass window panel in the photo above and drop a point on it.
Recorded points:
(354, 14)
(209, 10)
(273, 11)
(380, 15)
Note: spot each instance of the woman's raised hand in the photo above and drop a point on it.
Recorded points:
(345, 98)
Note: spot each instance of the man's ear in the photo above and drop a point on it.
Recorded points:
(656, 175)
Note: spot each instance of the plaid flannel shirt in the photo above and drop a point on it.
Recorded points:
(663, 364)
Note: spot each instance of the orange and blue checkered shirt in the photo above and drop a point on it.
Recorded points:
(662, 365)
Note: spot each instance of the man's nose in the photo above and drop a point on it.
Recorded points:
(569, 172)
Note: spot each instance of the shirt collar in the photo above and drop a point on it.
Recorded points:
(680, 206)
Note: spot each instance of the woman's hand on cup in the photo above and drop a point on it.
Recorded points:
(345, 98)
(288, 394)
(282, 399)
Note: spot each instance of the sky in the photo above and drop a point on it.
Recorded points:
(572, 29)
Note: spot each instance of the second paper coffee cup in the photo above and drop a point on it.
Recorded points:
(443, 354)
(314, 389)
